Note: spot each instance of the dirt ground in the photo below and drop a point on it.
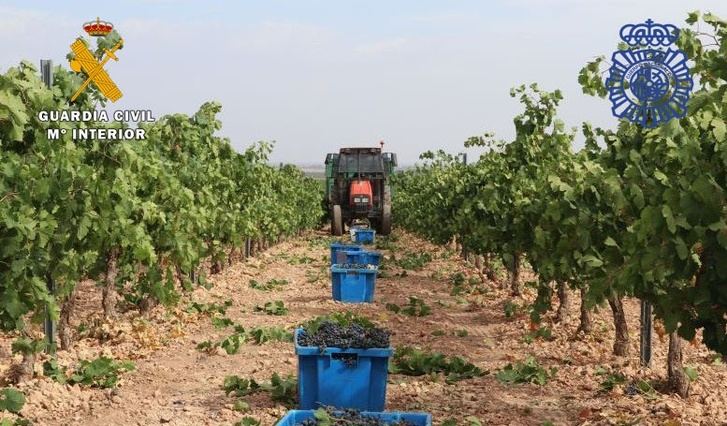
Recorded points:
(176, 384)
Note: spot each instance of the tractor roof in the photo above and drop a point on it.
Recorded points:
(362, 150)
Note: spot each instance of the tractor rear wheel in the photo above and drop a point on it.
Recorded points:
(336, 221)
(385, 226)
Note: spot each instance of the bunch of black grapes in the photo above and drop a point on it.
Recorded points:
(350, 336)
(355, 266)
(351, 417)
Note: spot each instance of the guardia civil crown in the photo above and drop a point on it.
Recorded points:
(98, 28)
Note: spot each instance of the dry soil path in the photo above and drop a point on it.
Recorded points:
(176, 384)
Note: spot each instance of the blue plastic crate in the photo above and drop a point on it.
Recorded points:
(294, 417)
(336, 248)
(363, 235)
(362, 257)
(326, 378)
(353, 285)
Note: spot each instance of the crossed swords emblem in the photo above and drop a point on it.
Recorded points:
(94, 69)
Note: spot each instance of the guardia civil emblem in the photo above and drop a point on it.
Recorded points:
(649, 81)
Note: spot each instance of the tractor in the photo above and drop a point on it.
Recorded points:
(357, 189)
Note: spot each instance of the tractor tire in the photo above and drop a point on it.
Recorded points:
(385, 225)
(336, 221)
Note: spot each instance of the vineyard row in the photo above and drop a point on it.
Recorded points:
(636, 212)
(144, 219)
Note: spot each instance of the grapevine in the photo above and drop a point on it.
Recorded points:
(138, 217)
(634, 213)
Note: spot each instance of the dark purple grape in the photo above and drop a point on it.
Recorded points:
(354, 266)
(353, 336)
(351, 417)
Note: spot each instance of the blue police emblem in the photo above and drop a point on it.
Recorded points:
(649, 83)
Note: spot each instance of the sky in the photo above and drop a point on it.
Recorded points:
(316, 75)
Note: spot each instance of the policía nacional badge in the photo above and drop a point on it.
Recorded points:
(649, 82)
